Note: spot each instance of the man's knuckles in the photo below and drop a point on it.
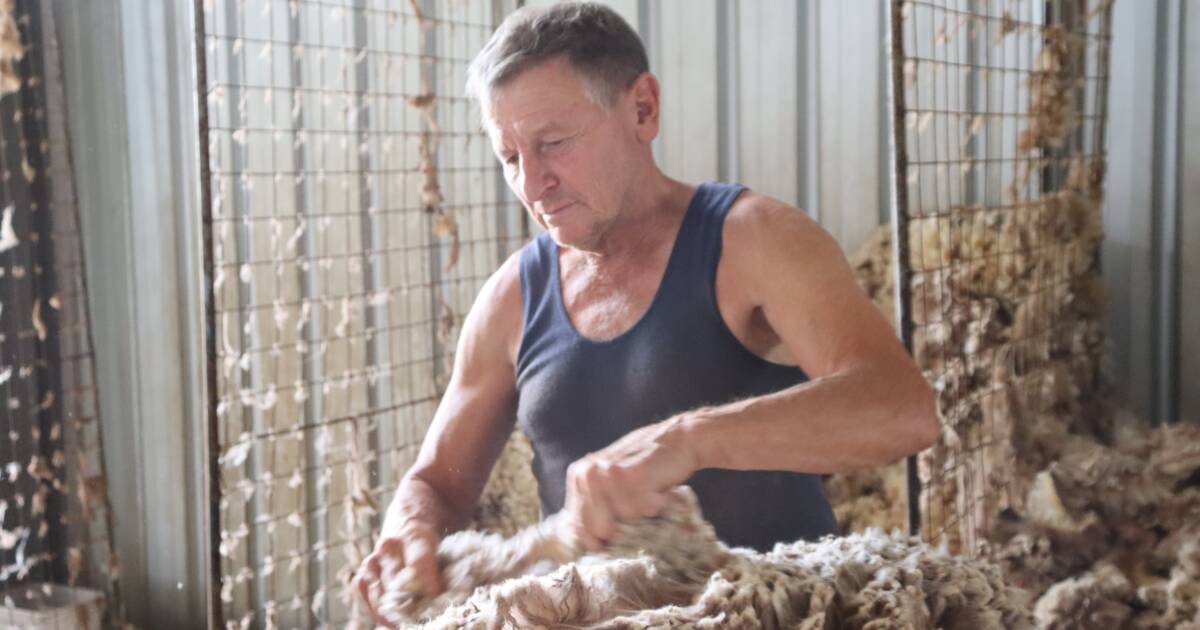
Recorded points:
(596, 470)
(390, 546)
(412, 530)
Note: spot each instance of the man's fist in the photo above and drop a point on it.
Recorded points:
(407, 555)
(630, 479)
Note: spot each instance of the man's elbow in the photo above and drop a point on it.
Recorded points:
(923, 424)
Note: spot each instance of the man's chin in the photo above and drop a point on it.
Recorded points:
(570, 238)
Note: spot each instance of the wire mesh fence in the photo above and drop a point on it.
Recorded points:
(57, 568)
(999, 132)
(354, 209)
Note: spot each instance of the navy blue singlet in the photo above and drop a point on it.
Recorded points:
(577, 396)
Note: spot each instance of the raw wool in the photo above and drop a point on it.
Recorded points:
(509, 502)
(875, 272)
(1095, 600)
(872, 498)
(1006, 305)
(997, 339)
(671, 571)
(471, 559)
(11, 49)
(971, 318)
(1051, 107)
(1108, 536)
(1104, 598)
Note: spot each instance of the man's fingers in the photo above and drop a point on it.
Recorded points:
(611, 488)
(371, 565)
(420, 555)
(369, 588)
(380, 570)
(362, 585)
(373, 593)
(622, 496)
(575, 527)
(593, 509)
(584, 540)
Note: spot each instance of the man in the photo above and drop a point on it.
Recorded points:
(657, 333)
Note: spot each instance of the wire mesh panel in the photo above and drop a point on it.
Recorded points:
(354, 209)
(55, 522)
(999, 133)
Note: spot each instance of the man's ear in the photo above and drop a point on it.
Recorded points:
(644, 94)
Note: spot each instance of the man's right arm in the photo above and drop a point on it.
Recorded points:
(475, 416)
(469, 429)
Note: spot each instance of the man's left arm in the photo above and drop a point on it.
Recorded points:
(866, 403)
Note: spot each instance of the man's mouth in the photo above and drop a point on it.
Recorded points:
(558, 209)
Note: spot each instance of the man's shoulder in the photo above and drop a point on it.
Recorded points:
(495, 318)
(768, 242)
(499, 299)
(504, 285)
(757, 221)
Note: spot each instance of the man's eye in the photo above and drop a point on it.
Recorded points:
(511, 160)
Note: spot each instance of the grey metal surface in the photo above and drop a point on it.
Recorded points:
(128, 80)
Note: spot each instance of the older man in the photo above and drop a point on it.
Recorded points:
(657, 333)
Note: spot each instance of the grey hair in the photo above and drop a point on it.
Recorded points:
(600, 46)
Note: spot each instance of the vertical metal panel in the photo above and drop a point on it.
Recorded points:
(684, 32)
(729, 90)
(1126, 256)
(1166, 97)
(158, 102)
(851, 101)
(92, 76)
(768, 145)
(130, 92)
(1189, 216)
(1149, 215)
(897, 158)
(808, 107)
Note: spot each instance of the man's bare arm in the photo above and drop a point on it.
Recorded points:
(477, 412)
(866, 403)
(469, 429)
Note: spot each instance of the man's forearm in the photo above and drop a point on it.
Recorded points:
(417, 500)
(856, 419)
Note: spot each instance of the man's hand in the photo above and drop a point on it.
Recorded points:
(405, 555)
(629, 479)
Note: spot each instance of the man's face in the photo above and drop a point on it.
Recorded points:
(567, 159)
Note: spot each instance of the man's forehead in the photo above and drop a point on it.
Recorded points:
(545, 94)
(538, 119)
(533, 123)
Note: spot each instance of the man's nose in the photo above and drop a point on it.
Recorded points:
(536, 178)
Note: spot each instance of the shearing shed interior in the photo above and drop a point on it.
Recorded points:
(867, 314)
